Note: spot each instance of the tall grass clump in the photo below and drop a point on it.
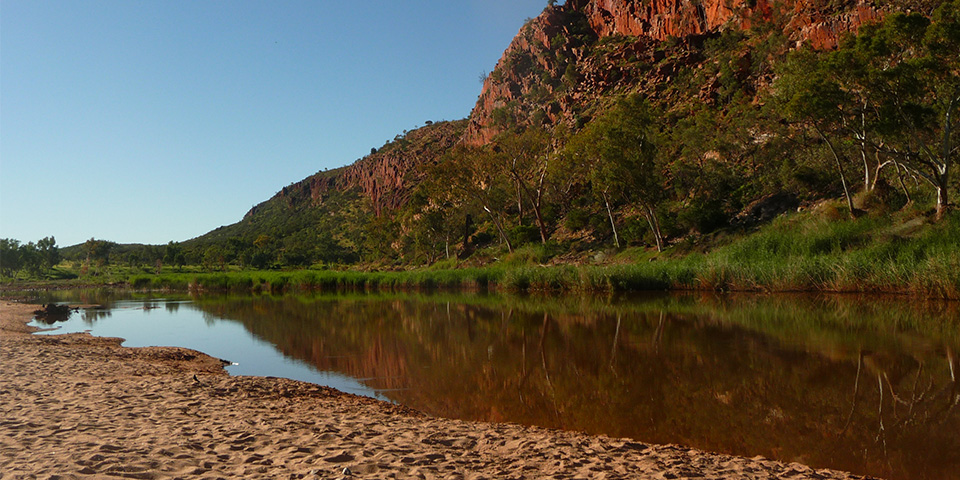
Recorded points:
(808, 252)
(546, 279)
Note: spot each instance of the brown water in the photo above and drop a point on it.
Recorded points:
(860, 384)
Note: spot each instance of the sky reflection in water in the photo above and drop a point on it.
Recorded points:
(179, 323)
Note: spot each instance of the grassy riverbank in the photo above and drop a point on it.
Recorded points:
(800, 252)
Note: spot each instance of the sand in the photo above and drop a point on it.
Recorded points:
(78, 406)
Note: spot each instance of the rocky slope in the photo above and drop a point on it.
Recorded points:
(384, 176)
(561, 69)
(552, 70)
(551, 56)
(820, 22)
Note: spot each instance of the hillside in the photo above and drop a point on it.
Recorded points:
(649, 124)
(570, 56)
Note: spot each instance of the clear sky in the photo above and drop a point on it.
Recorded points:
(151, 121)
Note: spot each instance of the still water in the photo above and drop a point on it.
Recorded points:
(865, 384)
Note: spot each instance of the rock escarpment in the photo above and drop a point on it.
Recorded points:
(576, 54)
(384, 177)
(550, 58)
(820, 22)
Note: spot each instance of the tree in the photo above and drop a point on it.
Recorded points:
(472, 174)
(894, 89)
(379, 234)
(922, 83)
(213, 257)
(857, 66)
(525, 157)
(98, 251)
(31, 259)
(808, 95)
(173, 255)
(49, 252)
(431, 221)
(10, 262)
(620, 154)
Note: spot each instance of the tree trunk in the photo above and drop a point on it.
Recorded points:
(843, 177)
(943, 201)
(537, 205)
(654, 225)
(499, 225)
(540, 224)
(902, 184)
(616, 238)
(868, 182)
(535, 200)
(519, 202)
(946, 150)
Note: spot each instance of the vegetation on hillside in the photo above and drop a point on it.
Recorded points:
(670, 149)
(27, 259)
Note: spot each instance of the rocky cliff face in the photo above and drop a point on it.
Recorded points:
(383, 177)
(552, 50)
(821, 22)
(564, 60)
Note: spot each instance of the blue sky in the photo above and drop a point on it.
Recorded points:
(151, 121)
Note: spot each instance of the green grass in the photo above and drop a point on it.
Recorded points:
(321, 280)
(805, 252)
(900, 253)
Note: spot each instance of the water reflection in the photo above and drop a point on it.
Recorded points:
(861, 384)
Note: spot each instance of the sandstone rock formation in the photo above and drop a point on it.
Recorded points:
(383, 176)
(551, 70)
(822, 23)
(819, 22)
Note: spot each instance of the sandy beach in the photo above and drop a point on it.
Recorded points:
(78, 406)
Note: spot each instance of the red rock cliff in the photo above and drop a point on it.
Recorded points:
(384, 177)
(822, 23)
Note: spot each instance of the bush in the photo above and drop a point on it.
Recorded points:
(577, 219)
(523, 234)
(703, 217)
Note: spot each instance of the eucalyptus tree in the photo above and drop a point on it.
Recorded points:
(98, 250)
(921, 83)
(473, 175)
(807, 94)
(431, 220)
(894, 89)
(619, 153)
(862, 113)
(173, 255)
(525, 158)
(10, 261)
(49, 252)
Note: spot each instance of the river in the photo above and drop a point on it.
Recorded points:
(859, 383)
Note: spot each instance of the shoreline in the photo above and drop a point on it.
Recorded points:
(79, 406)
(675, 275)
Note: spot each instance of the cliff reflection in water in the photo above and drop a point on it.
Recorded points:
(862, 385)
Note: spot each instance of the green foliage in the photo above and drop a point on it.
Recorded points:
(622, 140)
(618, 152)
(32, 260)
(890, 92)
